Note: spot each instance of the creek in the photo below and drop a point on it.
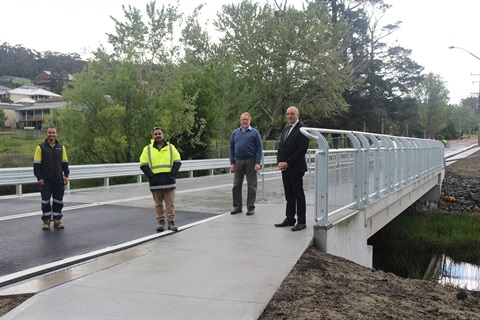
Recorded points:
(460, 271)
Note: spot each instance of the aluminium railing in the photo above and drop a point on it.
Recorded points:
(365, 167)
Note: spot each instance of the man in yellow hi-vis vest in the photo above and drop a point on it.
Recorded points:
(160, 162)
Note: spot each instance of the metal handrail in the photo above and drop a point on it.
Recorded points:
(24, 175)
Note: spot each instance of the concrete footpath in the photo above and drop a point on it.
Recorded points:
(226, 267)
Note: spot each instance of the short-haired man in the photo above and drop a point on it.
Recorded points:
(160, 162)
(50, 166)
(245, 157)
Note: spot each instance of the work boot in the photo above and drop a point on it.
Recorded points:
(46, 224)
(172, 226)
(57, 224)
(160, 226)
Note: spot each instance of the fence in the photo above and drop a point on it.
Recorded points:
(23, 176)
(364, 167)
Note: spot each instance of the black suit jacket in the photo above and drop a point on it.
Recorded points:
(292, 150)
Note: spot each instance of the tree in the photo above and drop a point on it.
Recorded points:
(386, 74)
(287, 56)
(118, 99)
(464, 119)
(432, 95)
(3, 119)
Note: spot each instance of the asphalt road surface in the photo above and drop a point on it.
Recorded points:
(94, 219)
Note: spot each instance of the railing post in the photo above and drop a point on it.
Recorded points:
(264, 197)
(321, 175)
(357, 184)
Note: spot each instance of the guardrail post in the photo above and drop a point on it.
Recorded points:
(18, 189)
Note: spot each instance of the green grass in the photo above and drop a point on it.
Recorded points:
(17, 150)
(436, 230)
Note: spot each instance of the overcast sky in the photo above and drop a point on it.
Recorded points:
(429, 28)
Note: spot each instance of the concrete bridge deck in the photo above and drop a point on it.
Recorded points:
(227, 267)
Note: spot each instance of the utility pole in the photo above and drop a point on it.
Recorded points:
(478, 108)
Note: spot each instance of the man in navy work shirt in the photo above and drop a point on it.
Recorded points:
(245, 157)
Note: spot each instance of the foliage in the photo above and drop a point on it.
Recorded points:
(330, 58)
(435, 231)
(17, 150)
(386, 74)
(3, 118)
(434, 112)
(287, 56)
(463, 119)
(17, 61)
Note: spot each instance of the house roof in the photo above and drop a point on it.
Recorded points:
(70, 77)
(33, 91)
(25, 100)
(43, 106)
(10, 106)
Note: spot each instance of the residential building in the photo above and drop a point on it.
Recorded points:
(25, 94)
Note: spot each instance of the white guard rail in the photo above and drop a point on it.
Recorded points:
(363, 167)
(23, 176)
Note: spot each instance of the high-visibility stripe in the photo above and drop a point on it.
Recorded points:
(159, 166)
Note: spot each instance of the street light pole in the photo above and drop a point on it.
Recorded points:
(478, 97)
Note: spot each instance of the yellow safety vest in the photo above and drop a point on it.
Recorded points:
(159, 160)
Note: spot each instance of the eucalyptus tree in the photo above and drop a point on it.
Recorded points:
(433, 97)
(285, 56)
(387, 73)
(221, 93)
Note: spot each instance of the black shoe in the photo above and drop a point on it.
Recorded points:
(236, 210)
(285, 223)
(299, 226)
(250, 211)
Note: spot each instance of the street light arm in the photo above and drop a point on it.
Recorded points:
(453, 47)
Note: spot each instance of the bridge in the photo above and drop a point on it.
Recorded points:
(361, 182)
(245, 257)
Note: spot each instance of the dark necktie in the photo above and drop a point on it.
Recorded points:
(287, 133)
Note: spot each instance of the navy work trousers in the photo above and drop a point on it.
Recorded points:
(52, 189)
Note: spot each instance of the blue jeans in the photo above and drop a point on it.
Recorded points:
(52, 189)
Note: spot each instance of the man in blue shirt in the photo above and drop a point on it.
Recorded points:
(245, 157)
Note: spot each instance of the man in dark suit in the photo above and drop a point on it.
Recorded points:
(291, 161)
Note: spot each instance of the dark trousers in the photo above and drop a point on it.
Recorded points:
(295, 196)
(244, 168)
(54, 189)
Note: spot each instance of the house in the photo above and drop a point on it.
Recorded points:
(4, 92)
(44, 79)
(32, 93)
(30, 106)
(10, 111)
(32, 116)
